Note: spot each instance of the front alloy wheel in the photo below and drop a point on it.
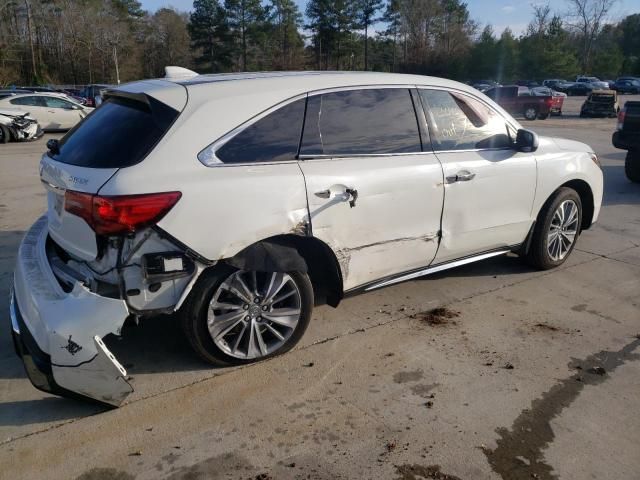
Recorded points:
(236, 316)
(563, 230)
(556, 229)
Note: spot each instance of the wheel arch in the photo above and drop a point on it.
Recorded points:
(304, 253)
(585, 193)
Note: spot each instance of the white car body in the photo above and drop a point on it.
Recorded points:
(377, 218)
(53, 111)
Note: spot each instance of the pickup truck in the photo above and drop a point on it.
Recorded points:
(512, 101)
(627, 137)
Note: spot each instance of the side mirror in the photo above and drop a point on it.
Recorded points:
(53, 146)
(526, 141)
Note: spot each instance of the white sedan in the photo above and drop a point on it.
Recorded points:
(241, 201)
(52, 111)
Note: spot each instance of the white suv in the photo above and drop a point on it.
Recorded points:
(241, 200)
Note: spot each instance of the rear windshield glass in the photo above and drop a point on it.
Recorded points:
(120, 133)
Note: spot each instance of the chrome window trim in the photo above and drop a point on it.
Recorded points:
(207, 156)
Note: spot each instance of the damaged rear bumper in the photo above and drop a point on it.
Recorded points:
(59, 335)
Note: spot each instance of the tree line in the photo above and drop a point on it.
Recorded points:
(108, 41)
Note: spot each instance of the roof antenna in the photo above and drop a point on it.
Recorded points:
(178, 73)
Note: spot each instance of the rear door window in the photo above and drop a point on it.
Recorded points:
(54, 102)
(361, 122)
(118, 134)
(30, 101)
(273, 138)
(459, 122)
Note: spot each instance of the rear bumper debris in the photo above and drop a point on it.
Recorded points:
(59, 335)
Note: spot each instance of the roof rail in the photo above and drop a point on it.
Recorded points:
(178, 73)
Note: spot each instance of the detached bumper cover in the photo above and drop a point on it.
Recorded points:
(59, 335)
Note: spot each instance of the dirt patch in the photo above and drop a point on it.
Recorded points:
(418, 472)
(519, 452)
(423, 389)
(105, 474)
(437, 316)
(547, 327)
(404, 377)
(214, 468)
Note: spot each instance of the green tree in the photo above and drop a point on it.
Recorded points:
(485, 56)
(629, 41)
(210, 36)
(365, 15)
(507, 57)
(285, 19)
(246, 20)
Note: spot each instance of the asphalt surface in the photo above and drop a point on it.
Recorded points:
(525, 374)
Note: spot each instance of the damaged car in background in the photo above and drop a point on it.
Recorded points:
(17, 125)
(309, 187)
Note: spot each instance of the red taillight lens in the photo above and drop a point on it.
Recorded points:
(120, 214)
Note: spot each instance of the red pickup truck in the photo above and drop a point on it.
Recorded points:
(530, 106)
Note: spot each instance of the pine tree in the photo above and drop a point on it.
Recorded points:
(210, 35)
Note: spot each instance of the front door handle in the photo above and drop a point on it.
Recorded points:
(461, 176)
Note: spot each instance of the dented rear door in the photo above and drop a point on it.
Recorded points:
(374, 197)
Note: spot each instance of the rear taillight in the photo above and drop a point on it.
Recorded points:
(621, 115)
(119, 214)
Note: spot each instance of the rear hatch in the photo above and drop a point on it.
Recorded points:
(119, 134)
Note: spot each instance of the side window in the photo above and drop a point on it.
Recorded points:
(53, 102)
(361, 122)
(31, 101)
(273, 138)
(458, 122)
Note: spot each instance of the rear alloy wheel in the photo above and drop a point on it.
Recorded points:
(5, 136)
(557, 229)
(236, 316)
(531, 113)
(632, 166)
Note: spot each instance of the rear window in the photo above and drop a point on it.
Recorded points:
(118, 134)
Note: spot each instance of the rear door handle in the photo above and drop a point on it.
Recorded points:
(461, 176)
(350, 193)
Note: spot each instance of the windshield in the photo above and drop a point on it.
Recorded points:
(118, 134)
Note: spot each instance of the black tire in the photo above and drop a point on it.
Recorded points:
(632, 166)
(543, 116)
(5, 135)
(530, 113)
(193, 315)
(538, 255)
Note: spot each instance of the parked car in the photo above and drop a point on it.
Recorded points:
(527, 83)
(518, 101)
(552, 82)
(585, 79)
(90, 92)
(578, 89)
(627, 86)
(600, 103)
(53, 111)
(627, 137)
(557, 98)
(619, 79)
(17, 125)
(313, 186)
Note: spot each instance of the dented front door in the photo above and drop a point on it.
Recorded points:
(380, 215)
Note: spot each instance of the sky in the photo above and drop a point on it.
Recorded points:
(514, 14)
